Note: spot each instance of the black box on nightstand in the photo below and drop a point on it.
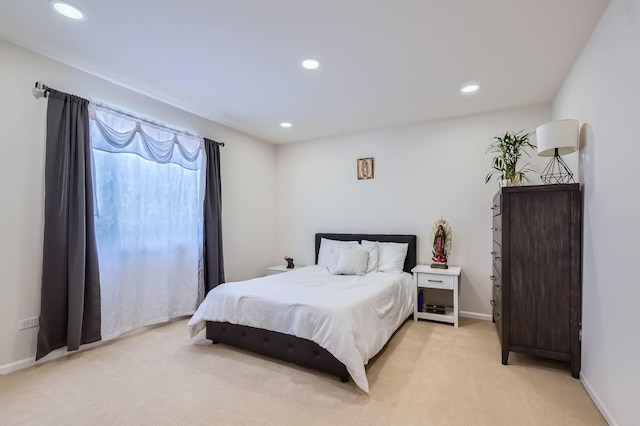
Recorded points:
(435, 309)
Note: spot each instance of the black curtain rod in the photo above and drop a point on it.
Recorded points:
(41, 90)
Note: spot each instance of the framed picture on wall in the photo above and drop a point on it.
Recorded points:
(365, 168)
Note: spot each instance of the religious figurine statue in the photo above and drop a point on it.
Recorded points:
(439, 255)
(290, 264)
(441, 244)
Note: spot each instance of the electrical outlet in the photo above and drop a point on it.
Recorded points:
(28, 323)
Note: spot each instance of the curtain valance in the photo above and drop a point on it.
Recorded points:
(123, 133)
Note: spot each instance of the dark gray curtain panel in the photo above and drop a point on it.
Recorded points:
(213, 260)
(70, 301)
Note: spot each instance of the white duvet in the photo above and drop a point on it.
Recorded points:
(350, 316)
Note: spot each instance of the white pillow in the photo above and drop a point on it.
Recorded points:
(327, 246)
(372, 248)
(349, 261)
(391, 256)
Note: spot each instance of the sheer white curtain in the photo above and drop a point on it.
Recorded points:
(149, 189)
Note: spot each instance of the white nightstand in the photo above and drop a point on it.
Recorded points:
(278, 269)
(424, 276)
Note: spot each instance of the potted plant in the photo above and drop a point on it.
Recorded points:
(508, 150)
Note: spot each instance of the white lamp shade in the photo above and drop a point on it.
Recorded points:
(561, 135)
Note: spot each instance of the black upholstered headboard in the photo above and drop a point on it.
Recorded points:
(411, 259)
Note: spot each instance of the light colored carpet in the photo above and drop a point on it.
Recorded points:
(429, 374)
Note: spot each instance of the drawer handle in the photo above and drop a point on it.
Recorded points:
(497, 286)
(493, 302)
(435, 281)
(497, 315)
(493, 277)
(497, 257)
(493, 253)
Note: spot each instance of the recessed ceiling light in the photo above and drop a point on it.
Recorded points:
(470, 88)
(68, 10)
(285, 125)
(311, 64)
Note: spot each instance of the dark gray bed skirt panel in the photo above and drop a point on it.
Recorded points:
(288, 348)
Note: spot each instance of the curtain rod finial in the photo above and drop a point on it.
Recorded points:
(40, 90)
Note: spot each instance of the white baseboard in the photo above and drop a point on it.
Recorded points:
(62, 352)
(596, 400)
(475, 315)
(18, 365)
(30, 362)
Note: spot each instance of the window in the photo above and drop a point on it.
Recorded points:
(149, 189)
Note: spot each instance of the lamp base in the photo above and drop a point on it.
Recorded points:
(556, 172)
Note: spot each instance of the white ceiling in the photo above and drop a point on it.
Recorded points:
(385, 63)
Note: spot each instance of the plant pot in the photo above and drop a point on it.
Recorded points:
(509, 182)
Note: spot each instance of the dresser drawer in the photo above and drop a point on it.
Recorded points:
(497, 318)
(496, 254)
(496, 309)
(496, 204)
(445, 282)
(497, 229)
(496, 285)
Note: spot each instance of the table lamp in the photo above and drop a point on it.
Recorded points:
(554, 139)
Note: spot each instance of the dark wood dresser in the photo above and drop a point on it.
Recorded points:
(537, 281)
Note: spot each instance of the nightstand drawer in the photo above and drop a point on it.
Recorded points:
(436, 281)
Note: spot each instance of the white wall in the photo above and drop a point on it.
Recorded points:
(248, 175)
(422, 172)
(602, 91)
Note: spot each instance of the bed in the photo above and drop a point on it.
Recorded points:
(311, 337)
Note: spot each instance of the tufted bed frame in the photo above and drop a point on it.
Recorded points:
(290, 348)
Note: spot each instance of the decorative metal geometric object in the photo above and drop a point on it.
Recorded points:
(556, 171)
